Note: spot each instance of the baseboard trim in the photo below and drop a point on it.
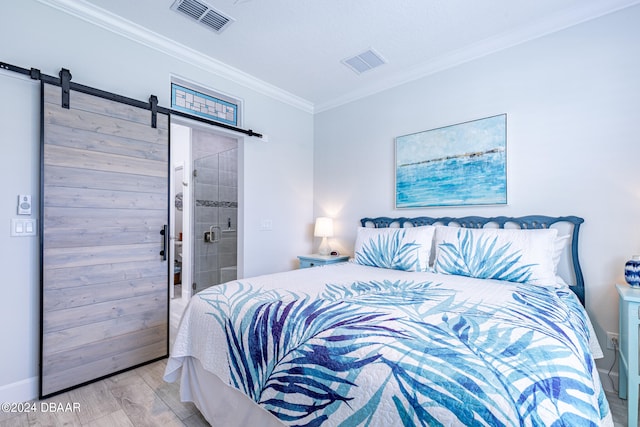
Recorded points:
(20, 391)
(609, 381)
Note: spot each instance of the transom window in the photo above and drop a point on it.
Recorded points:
(204, 103)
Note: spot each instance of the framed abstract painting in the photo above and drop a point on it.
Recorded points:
(459, 165)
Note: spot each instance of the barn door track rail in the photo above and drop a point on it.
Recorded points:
(64, 81)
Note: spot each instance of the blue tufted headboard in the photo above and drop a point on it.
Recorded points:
(524, 222)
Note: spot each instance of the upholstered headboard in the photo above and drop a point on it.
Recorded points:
(524, 222)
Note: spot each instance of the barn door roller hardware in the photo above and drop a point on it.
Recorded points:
(65, 82)
(153, 103)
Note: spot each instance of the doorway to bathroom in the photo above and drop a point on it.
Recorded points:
(205, 216)
(215, 210)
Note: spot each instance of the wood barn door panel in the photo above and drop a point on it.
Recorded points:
(76, 296)
(105, 200)
(59, 176)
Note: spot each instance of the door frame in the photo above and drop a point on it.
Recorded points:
(178, 165)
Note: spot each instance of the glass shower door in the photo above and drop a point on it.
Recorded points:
(215, 213)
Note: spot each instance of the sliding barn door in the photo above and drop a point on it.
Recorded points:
(105, 202)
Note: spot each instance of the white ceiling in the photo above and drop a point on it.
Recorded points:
(294, 48)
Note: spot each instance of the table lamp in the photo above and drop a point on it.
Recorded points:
(324, 229)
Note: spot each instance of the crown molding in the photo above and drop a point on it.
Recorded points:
(553, 24)
(102, 18)
(116, 24)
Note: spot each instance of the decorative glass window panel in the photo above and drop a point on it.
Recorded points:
(203, 105)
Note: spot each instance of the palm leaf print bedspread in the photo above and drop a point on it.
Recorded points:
(349, 345)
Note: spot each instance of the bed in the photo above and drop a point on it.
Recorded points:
(434, 321)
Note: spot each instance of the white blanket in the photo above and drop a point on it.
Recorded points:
(349, 344)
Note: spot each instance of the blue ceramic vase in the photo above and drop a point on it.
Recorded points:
(632, 271)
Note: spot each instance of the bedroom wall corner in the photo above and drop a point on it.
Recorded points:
(572, 144)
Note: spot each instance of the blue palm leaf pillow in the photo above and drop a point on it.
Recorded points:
(523, 256)
(395, 248)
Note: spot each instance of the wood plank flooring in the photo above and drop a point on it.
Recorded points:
(618, 409)
(137, 398)
(140, 398)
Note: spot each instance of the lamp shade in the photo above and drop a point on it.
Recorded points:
(324, 227)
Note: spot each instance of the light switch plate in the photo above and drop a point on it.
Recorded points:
(21, 227)
(266, 225)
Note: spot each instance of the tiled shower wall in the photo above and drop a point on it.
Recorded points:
(228, 212)
(216, 204)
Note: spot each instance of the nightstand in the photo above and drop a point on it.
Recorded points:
(629, 377)
(315, 260)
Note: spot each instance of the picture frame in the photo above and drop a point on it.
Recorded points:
(464, 164)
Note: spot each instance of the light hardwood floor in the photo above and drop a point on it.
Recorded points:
(140, 398)
(135, 398)
(618, 409)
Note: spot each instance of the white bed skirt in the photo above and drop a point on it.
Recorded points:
(229, 407)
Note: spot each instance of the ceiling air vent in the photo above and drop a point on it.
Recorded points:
(203, 13)
(365, 61)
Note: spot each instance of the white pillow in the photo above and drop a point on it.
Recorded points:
(559, 245)
(396, 248)
(524, 256)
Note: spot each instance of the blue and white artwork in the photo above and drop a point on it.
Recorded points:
(457, 165)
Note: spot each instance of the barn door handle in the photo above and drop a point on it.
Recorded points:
(165, 233)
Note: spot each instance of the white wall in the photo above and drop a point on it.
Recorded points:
(277, 180)
(19, 256)
(573, 143)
